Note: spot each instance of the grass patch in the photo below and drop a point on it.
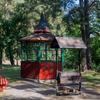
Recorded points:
(11, 72)
(91, 78)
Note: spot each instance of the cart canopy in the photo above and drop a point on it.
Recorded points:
(68, 42)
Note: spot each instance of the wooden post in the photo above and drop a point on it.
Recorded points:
(31, 51)
(80, 81)
(56, 62)
(38, 59)
(62, 59)
(34, 54)
(21, 52)
(46, 52)
(26, 50)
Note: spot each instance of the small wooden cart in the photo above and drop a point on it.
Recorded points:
(68, 82)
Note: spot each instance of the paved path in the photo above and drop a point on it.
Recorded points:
(29, 90)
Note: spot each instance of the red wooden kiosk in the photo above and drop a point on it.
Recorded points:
(38, 59)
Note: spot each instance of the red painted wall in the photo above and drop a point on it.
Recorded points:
(43, 70)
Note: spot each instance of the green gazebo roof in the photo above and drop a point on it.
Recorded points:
(41, 32)
(39, 37)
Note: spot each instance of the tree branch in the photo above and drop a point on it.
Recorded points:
(92, 4)
(98, 33)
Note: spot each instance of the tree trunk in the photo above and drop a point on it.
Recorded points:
(87, 33)
(11, 57)
(82, 28)
(84, 23)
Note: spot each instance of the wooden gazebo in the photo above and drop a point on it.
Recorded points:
(38, 59)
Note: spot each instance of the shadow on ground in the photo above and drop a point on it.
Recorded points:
(30, 90)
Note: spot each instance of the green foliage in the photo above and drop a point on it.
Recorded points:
(11, 72)
(19, 17)
(71, 59)
(95, 45)
(96, 67)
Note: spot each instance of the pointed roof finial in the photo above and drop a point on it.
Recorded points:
(42, 27)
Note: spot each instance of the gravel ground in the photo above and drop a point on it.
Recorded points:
(29, 90)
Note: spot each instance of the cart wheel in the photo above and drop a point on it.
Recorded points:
(57, 94)
(80, 93)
